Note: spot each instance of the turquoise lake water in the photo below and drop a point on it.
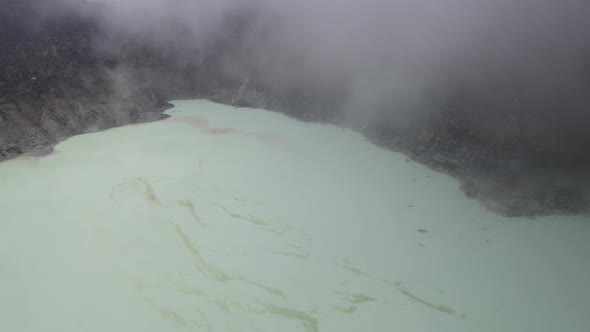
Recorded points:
(227, 219)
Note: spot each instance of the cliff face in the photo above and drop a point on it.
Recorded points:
(54, 83)
(53, 87)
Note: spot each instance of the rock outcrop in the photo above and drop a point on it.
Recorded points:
(55, 84)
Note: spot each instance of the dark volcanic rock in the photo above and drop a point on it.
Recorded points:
(54, 83)
(53, 87)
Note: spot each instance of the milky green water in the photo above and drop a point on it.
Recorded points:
(224, 219)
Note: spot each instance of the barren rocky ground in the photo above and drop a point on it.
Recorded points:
(54, 84)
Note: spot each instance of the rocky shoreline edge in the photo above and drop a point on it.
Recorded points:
(54, 84)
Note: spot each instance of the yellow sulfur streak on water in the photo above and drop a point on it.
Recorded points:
(221, 219)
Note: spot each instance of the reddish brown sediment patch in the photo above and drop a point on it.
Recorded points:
(193, 120)
(222, 131)
(269, 138)
(203, 123)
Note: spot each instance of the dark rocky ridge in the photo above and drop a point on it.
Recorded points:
(54, 84)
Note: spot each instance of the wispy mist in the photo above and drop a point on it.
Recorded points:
(390, 58)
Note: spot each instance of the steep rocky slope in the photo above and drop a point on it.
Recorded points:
(55, 82)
